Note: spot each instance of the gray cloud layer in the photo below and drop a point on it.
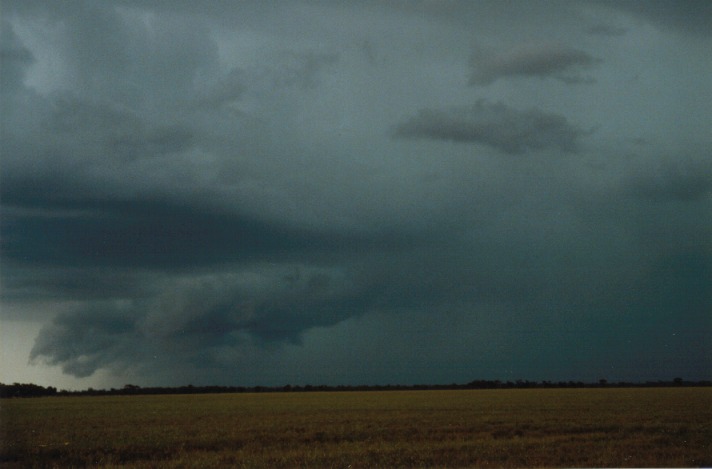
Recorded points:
(230, 193)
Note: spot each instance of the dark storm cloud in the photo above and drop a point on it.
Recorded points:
(532, 60)
(149, 234)
(681, 282)
(102, 337)
(67, 283)
(194, 317)
(496, 125)
(209, 191)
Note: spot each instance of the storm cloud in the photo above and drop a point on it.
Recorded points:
(309, 192)
(532, 60)
(495, 125)
(197, 317)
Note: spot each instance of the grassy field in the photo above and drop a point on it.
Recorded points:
(500, 428)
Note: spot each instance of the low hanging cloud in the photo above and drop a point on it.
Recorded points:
(541, 60)
(493, 124)
(194, 317)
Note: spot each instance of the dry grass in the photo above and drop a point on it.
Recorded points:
(501, 428)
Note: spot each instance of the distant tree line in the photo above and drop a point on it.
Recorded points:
(26, 390)
(33, 390)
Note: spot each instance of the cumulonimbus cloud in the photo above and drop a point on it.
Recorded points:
(211, 194)
(541, 60)
(493, 124)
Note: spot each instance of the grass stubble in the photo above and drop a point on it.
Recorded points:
(641, 427)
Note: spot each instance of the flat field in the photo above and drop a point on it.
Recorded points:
(648, 427)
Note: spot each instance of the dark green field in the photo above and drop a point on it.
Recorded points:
(496, 428)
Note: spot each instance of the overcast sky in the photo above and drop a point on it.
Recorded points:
(308, 192)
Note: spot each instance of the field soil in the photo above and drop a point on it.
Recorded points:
(639, 427)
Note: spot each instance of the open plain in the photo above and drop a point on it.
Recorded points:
(466, 428)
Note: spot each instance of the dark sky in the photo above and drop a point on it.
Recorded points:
(299, 192)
